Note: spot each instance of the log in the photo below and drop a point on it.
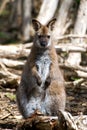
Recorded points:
(78, 71)
(12, 63)
(69, 48)
(63, 121)
(13, 51)
(21, 51)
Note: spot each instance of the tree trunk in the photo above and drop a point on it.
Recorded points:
(47, 10)
(26, 16)
(62, 18)
(15, 17)
(79, 29)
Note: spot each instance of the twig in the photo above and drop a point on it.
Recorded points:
(75, 83)
(6, 116)
(10, 112)
(6, 71)
(79, 68)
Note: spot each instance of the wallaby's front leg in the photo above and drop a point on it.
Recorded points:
(36, 75)
(50, 77)
(47, 82)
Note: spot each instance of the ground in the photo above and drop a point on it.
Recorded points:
(76, 104)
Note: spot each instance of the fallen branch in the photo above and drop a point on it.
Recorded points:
(12, 63)
(6, 116)
(13, 51)
(69, 48)
(62, 121)
(6, 72)
(75, 83)
(80, 68)
(80, 71)
(72, 36)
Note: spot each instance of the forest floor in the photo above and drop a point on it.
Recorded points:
(9, 115)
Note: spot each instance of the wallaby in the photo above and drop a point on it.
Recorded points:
(42, 86)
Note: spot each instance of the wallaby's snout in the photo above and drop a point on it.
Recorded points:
(44, 41)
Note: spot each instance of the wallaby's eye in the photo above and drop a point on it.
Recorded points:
(42, 36)
(48, 36)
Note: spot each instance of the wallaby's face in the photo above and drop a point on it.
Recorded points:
(43, 33)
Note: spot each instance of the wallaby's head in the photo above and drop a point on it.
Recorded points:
(43, 33)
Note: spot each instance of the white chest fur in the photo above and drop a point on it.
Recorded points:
(43, 65)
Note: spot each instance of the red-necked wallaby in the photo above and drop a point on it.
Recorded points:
(42, 85)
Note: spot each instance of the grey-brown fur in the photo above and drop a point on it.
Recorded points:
(41, 87)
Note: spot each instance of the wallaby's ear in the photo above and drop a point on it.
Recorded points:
(51, 24)
(36, 24)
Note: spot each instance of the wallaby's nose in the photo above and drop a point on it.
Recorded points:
(43, 43)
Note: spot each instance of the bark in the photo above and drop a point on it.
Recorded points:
(80, 29)
(62, 18)
(47, 10)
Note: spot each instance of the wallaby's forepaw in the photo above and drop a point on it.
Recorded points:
(39, 81)
(47, 82)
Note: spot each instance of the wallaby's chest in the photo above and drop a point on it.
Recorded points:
(43, 63)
